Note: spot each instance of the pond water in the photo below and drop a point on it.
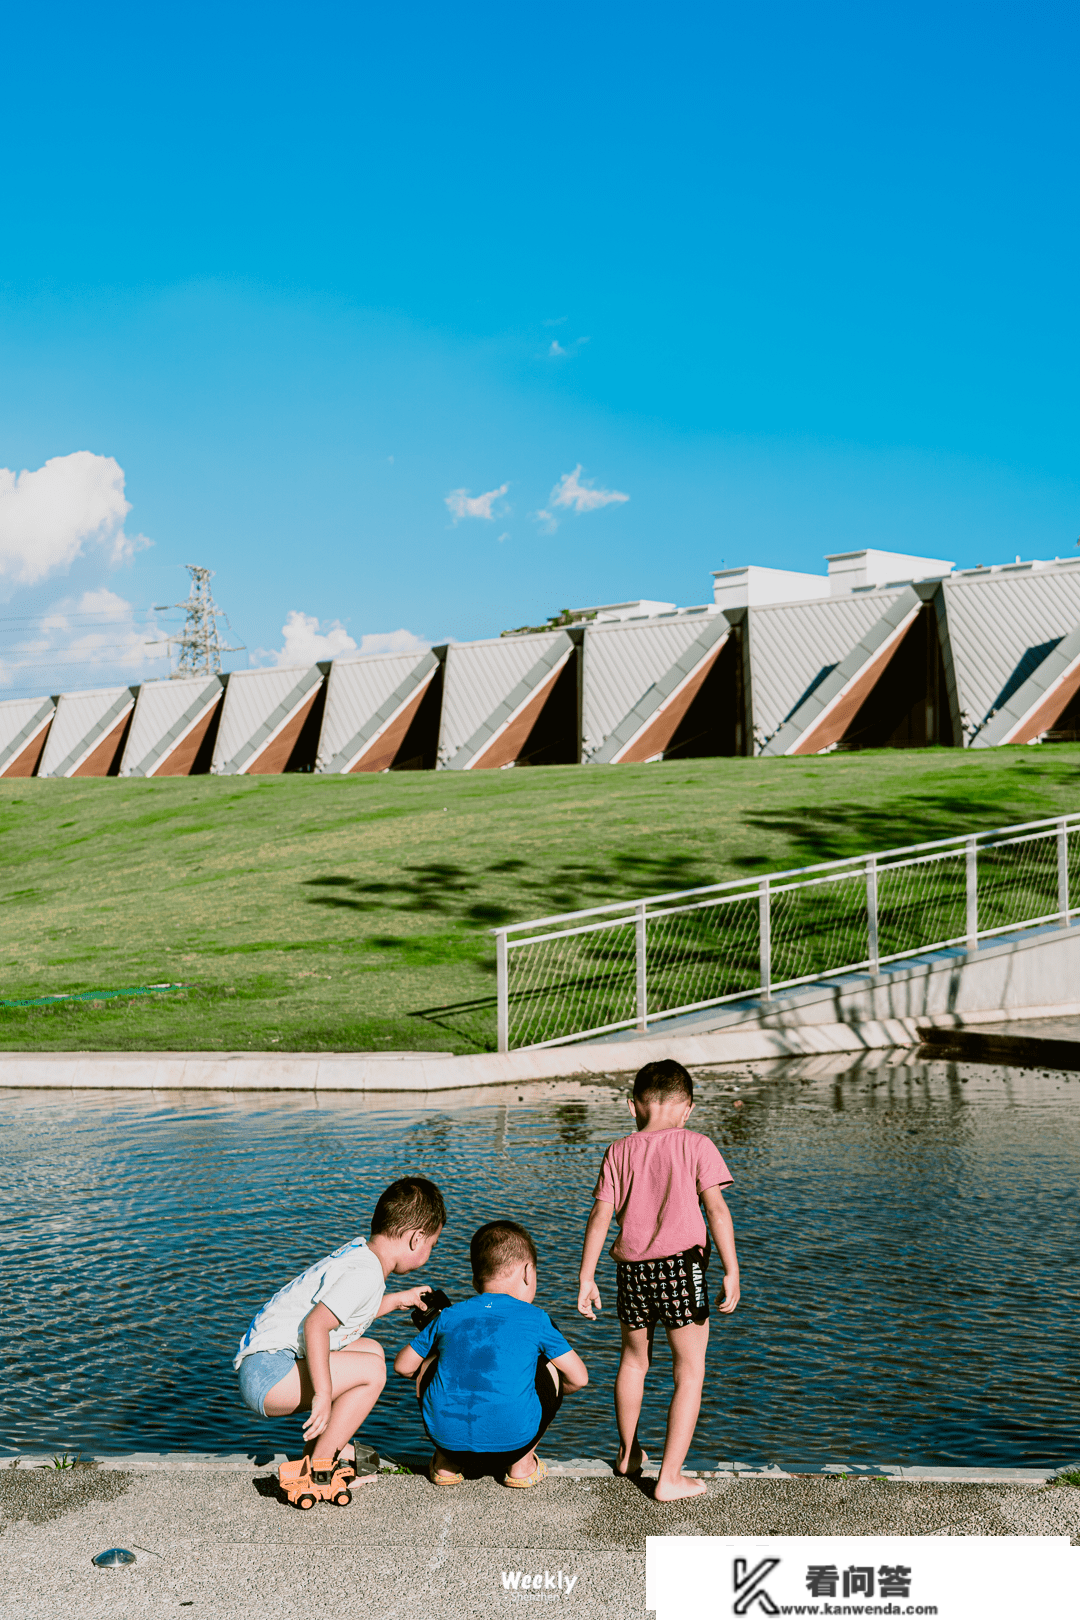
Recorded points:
(908, 1235)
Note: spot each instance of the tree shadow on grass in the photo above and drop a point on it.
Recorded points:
(834, 832)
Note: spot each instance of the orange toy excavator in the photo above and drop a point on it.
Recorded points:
(317, 1479)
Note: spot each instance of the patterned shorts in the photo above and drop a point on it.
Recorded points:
(671, 1290)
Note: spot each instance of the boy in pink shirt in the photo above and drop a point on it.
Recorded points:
(654, 1184)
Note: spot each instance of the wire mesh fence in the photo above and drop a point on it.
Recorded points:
(626, 965)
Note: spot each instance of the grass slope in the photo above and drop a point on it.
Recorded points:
(316, 913)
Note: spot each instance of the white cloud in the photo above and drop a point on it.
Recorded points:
(48, 516)
(306, 642)
(393, 641)
(547, 520)
(83, 641)
(556, 350)
(579, 497)
(464, 505)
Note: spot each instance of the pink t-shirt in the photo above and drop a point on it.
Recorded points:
(655, 1180)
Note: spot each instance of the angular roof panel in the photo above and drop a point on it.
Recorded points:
(488, 684)
(164, 715)
(83, 721)
(632, 670)
(1035, 705)
(832, 703)
(1002, 625)
(259, 703)
(363, 698)
(794, 648)
(21, 721)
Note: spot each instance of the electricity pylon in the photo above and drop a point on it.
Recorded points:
(199, 641)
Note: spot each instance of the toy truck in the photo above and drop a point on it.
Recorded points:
(316, 1479)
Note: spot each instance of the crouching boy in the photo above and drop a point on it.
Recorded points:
(493, 1370)
(306, 1347)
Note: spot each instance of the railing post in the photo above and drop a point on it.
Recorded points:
(765, 940)
(972, 895)
(641, 979)
(871, 914)
(1063, 871)
(502, 990)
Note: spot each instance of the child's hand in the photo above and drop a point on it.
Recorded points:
(409, 1298)
(319, 1418)
(727, 1301)
(588, 1296)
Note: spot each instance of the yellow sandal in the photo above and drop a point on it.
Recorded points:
(538, 1473)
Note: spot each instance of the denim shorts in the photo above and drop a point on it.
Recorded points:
(259, 1372)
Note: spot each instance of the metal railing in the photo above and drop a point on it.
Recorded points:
(631, 963)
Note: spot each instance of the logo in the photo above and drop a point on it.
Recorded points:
(750, 1586)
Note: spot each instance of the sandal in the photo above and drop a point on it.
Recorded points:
(538, 1473)
(443, 1476)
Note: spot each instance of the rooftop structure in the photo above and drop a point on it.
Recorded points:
(88, 733)
(270, 721)
(24, 727)
(382, 713)
(172, 732)
(511, 701)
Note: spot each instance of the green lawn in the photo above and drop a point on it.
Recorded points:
(314, 913)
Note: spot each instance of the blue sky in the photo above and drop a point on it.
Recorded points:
(792, 279)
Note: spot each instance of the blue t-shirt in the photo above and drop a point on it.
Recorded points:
(483, 1394)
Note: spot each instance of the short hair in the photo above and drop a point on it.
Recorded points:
(412, 1204)
(498, 1247)
(663, 1082)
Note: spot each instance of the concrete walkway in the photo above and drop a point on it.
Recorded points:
(215, 1541)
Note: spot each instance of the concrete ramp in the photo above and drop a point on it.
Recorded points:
(88, 732)
(374, 719)
(171, 729)
(508, 702)
(24, 729)
(269, 721)
(641, 682)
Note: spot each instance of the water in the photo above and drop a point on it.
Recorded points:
(908, 1235)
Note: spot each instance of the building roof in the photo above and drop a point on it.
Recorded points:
(487, 685)
(796, 646)
(1003, 622)
(259, 704)
(364, 697)
(82, 722)
(632, 670)
(21, 721)
(824, 714)
(165, 714)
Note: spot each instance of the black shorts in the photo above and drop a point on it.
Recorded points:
(671, 1290)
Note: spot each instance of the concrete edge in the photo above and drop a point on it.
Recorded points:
(141, 1462)
(371, 1072)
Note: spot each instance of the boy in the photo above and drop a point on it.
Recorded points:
(492, 1370)
(652, 1183)
(306, 1348)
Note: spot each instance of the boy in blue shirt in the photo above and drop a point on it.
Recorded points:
(492, 1370)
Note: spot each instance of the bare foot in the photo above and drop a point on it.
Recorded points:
(525, 1467)
(632, 1464)
(673, 1490)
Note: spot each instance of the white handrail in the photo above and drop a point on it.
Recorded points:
(603, 974)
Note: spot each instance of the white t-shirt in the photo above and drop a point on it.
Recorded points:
(349, 1282)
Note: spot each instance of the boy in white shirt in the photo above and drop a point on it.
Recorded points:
(306, 1348)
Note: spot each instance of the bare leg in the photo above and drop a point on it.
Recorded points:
(527, 1465)
(357, 1376)
(637, 1350)
(688, 1345)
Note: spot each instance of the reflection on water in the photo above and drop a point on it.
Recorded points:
(908, 1234)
